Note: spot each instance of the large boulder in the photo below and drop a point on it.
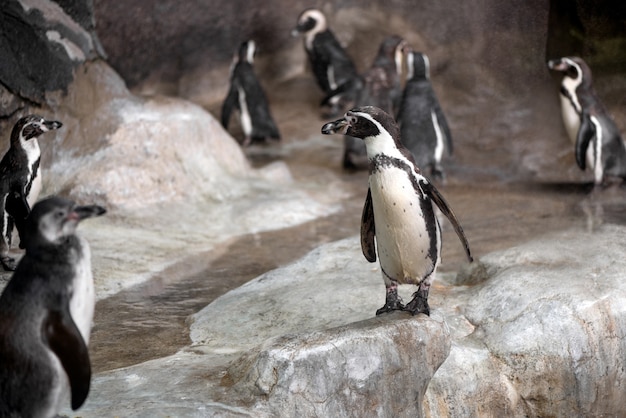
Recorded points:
(546, 331)
(534, 330)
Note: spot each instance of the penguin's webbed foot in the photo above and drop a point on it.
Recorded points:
(8, 263)
(392, 303)
(419, 304)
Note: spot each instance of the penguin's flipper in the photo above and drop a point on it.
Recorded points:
(17, 206)
(230, 103)
(586, 133)
(65, 340)
(445, 209)
(368, 230)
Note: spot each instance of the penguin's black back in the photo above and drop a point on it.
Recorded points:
(327, 51)
(39, 285)
(416, 126)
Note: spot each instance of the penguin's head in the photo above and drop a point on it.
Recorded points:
(392, 48)
(364, 122)
(55, 218)
(32, 126)
(310, 21)
(246, 52)
(571, 67)
(418, 66)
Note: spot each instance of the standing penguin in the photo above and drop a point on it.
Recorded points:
(46, 311)
(246, 95)
(382, 89)
(333, 69)
(20, 179)
(598, 142)
(423, 126)
(399, 209)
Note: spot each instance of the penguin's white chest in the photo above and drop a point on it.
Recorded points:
(83, 299)
(403, 242)
(571, 118)
(246, 119)
(33, 153)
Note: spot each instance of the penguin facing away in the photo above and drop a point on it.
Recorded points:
(248, 97)
(334, 70)
(399, 210)
(20, 179)
(598, 142)
(46, 311)
(381, 88)
(423, 127)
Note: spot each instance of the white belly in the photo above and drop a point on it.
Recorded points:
(246, 120)
(83, 300)
(35, 189)
(402, 239)
(571, 118)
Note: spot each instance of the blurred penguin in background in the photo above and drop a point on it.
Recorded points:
(334, 70)
(423, 126)
(381, 88)
(598, 142)
(247, 96)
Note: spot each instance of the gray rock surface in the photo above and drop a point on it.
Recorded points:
(539, 332)
(548, 332)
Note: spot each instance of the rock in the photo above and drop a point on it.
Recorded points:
(549, 337)
(284, 342)
(376, 368)
(41, 44)
(543, 335)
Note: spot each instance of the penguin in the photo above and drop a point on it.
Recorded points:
(423, 127)
(334, 70)
(381, 88)
(399, 211)
(20, 179)
(248, 97)
(46, 311)
(598, 142)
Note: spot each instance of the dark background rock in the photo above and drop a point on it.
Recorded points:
(149, 39)
(31, 63)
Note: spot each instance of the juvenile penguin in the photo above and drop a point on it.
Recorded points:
(333, 69)
(248, 97)
(46, 311)
(598, 142)
(423, 126)
(20, 179)
(399, 210)
(381, 88)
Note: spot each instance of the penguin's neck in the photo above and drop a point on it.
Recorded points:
(382, 144)
(31, 148)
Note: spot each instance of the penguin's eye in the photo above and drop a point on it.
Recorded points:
(29, 131)
(59, 214)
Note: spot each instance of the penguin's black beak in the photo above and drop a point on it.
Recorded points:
(50, 125)
(339, 126)
(83, 212)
